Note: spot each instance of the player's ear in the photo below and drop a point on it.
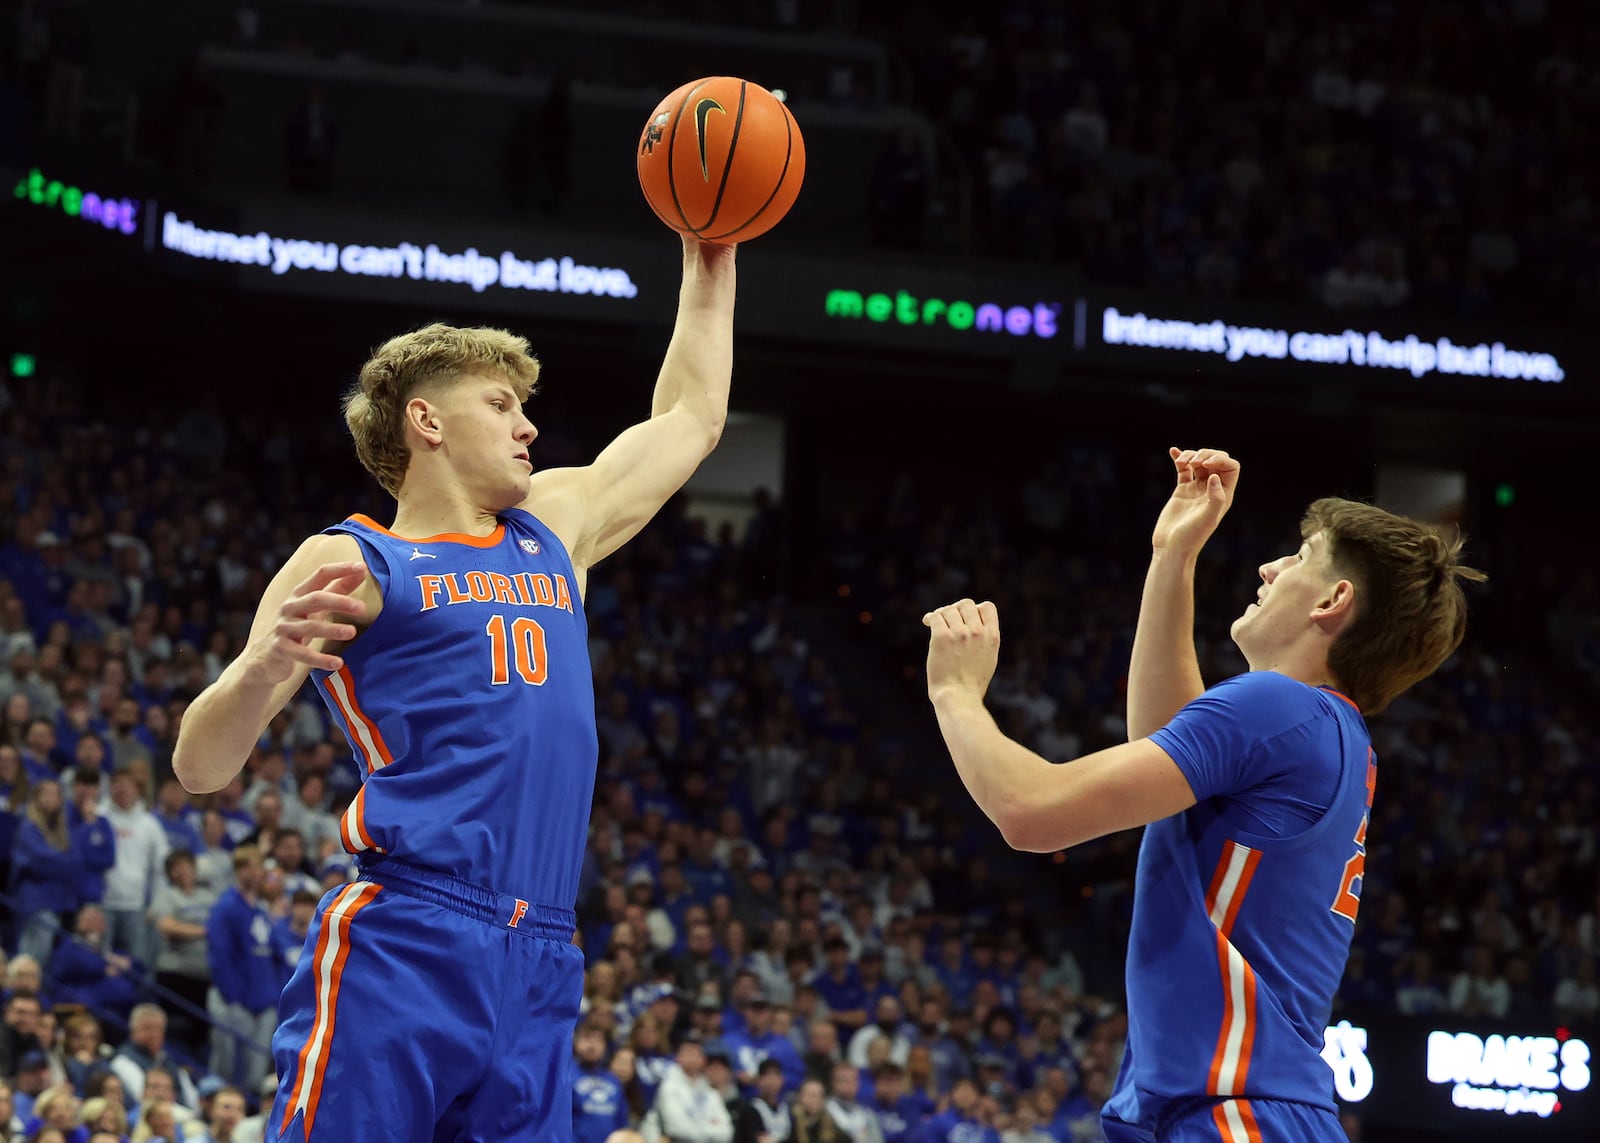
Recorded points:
(1337, 605)
(422, 417)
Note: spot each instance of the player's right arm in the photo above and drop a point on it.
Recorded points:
(1164, 675)
(311, 608)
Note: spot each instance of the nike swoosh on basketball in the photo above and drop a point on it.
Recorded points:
(701, 110)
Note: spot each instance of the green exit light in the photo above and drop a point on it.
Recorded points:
(22, 365)
(1505, 495)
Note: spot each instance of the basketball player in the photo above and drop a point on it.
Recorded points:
(1256, 793)
(437, 995)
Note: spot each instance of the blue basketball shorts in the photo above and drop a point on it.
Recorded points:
(1238, 1121)
(425, 1008)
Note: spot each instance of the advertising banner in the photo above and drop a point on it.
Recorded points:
(1019, 314)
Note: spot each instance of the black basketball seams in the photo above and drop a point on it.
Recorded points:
(727, 163)
(788, 128)
(672, 144)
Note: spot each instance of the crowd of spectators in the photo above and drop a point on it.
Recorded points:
(794, 926)
(1373, 156)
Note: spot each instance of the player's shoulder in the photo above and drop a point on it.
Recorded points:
(1267, 698)
(1268, 685)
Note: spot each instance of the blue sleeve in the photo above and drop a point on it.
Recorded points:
(1264, 742)
(72, 964)
(225, 961)
(620, 1122)
(32, 852)
(101, 856)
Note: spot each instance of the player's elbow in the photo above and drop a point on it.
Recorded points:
(1023, 830)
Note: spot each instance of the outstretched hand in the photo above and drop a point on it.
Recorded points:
(1206, 480)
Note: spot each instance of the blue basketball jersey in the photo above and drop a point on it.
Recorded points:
(469, 702)
(1245, 904)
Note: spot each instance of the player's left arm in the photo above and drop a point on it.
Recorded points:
(598, 508)
(1037, 805)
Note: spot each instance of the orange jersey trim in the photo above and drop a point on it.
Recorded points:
(332, 952)
(488, 541)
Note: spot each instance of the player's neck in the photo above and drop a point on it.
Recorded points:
(1303, 658)
(424, 511)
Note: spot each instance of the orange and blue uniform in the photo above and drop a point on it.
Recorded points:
(1244, 910)
(437, 994)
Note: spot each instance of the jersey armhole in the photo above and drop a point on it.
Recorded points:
(379, 566)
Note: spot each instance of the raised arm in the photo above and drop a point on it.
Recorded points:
(310, 608)
(599, 508)
(1164, 674)
(1038, 806)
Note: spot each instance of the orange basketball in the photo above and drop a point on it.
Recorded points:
(721, 159)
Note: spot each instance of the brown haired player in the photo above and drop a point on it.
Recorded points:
(1256, 794)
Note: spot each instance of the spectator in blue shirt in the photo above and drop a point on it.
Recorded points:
(177, 817)
(955, 973)
(899, 1115)
(839, 985)
(706, 877)
(46, 871)
(93, 837)
(41, 757)
(245, 980)
(289, 933)
(599, 1105)
(87, 971)
(960, 1122)
(757, 1043)
(13, 802)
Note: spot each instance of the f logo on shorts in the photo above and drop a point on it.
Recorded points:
(517, 913)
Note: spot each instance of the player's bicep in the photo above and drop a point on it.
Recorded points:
(632, 478)
(308, 557)
(1124, 787)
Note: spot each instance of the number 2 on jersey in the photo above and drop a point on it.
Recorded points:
(523, 648)
(1348, 901)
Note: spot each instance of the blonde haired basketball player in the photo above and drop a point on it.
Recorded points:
(1256, 794)
(436, 995)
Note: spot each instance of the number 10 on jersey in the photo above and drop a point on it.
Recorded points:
(517, 646)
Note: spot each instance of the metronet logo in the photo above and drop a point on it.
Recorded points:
(1039, 319)
(1512, 1074)
(112, 213)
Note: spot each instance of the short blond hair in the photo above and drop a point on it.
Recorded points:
(1411, 613)
(433, 356)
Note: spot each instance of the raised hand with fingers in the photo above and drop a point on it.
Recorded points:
(1206, 481)
(963, 647)
(320, 608)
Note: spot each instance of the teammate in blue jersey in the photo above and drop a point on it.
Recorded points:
(437, 995)
(1256, 794)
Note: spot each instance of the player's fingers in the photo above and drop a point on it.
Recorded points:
(320, 660)
(316, 602)
(1215, 490)
(968, 611)
(327, 573)
(989, 615)
(304, 630)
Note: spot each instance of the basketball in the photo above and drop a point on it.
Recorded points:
(721, 159)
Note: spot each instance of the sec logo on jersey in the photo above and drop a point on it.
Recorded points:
(529, 546)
